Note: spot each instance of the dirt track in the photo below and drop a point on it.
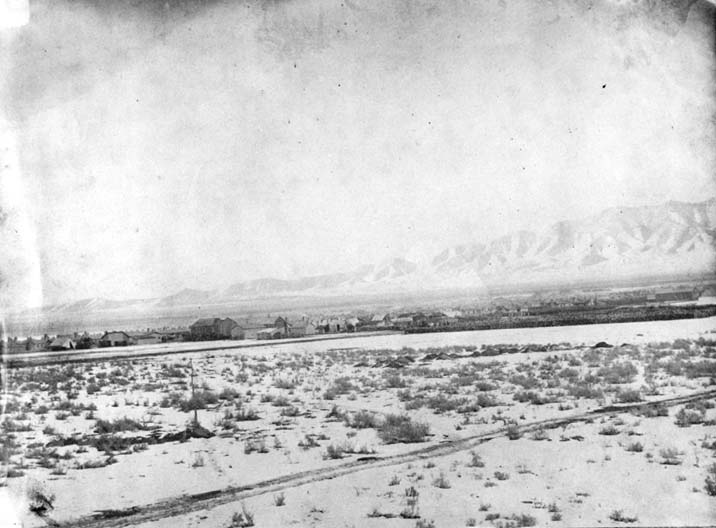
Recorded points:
(35, 359)
(207, 500)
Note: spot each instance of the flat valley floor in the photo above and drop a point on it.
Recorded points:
(600, 425)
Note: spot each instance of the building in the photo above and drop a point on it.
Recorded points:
(677, 296)
(238, 333)
(403, 321)
(147, 338)
(114, 338)
(380, 320)
(62, 343)
(175, 334)
(270, 333)
(352, 324)
(302, 329)
(212, 328)
(282, 324)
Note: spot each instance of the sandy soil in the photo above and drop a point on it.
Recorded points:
(310, 398)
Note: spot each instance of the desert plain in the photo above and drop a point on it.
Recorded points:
(600, 425)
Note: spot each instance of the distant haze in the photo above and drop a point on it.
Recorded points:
(147, 149)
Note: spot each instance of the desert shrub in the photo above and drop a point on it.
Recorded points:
(39, 500)
(584, 390)
(395, 381)
(362, 420)
(635, 447)
(228, 394)
(11, 426)
(535, 398)
(342, 385)
(257, 445)
(501, 475)
(246, 415)
(117, 426)
(618, 516)
(526, 382)
(628, 396)
(710, 483)
(651, 411)
(280, 401)
(609, 430)
(686, 417)
(171, 400)
(706, 444)
(618, 373)
(569, 373)
(172, 371)
(485, 386)
(335, 451)
(513, 432)
(336, 414)
(518, 521)
(198, 461)
(401, 429)
(540, 434)
(290, 411)
(475, 460)
(308, 442)
(199, 400)
(492, 516)
(701, 369)
(442, 403)
(279, 499)
(424, 523)
(285, 384)
(441, 481)
(674, 367)
(487, 400)
(109, 443)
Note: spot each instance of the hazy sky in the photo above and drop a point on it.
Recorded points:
(196, 144)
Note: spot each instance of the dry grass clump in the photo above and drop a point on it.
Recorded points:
(242, 519)
(635, 447)
(441, 481)
(670, 456)
(411, 509)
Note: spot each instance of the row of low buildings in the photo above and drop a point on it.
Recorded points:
(278, 328)
(214, 328)
(85, 341)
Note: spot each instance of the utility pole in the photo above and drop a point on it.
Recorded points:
(196, 418)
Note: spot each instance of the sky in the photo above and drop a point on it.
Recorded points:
(153, 146)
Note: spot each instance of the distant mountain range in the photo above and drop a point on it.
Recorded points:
(618, 243)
